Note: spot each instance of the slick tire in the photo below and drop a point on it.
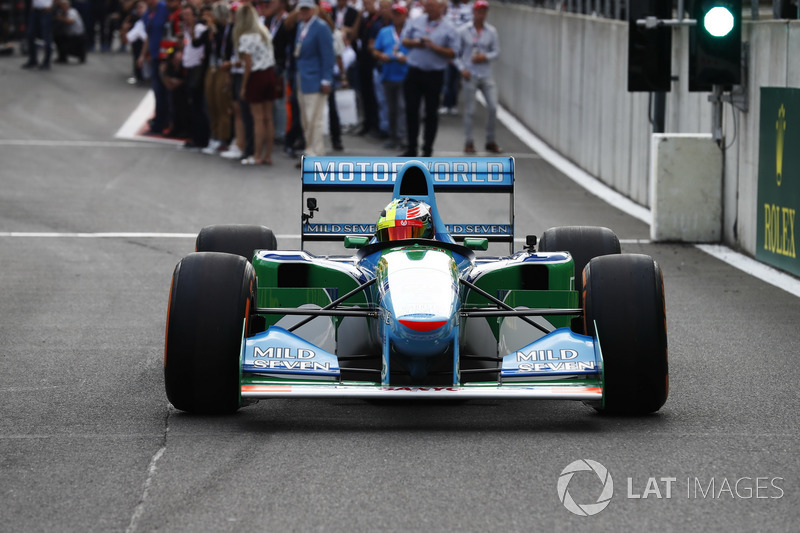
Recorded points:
(582, 242)
(237, 239)
(210, 301)
(623, 296)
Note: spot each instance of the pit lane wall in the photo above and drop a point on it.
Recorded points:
(565, 77)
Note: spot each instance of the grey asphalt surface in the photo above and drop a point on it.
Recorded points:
(88, 441)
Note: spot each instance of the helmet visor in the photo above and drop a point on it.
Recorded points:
(402, 229)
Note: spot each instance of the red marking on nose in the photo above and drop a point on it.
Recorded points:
(417, 325)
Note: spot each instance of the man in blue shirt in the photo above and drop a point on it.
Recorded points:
(389, 50)
(432, 42)
(155, 18)
(313, 51)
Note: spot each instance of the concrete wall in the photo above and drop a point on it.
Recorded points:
(565, 77)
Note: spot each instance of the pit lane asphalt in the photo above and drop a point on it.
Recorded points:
(88, 442)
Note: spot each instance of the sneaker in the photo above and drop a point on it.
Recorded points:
(444, 110)
(452, 111)
(493, 148)
(213, 146)
(469, 148)
(233, 152)
(408, 153)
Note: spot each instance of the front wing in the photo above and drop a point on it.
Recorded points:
(559, 366)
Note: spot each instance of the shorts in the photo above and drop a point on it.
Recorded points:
(260, 86)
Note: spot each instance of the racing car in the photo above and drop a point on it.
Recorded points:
(418, 309)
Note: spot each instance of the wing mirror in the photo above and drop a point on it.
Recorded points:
(355, 241)
(474, 243)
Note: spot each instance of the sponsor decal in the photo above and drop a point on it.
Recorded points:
(284, 358)
(369, 229)
(778, 186)
(373, 171)
(283, 353)
(779, 230)
(479, 229)
(547, 355)
(559, 352)
(570, 366)
(340, 229)
(271, 364)
(277, 350)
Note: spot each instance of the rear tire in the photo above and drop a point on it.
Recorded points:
(582, 242)
(210, 300)
(237, 239)
(624, 296)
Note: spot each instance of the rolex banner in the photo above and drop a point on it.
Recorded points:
(779, 178)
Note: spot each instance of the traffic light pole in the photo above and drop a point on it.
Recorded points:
(716, 113)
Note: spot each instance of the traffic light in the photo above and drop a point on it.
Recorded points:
(649, 49)
(715, 44)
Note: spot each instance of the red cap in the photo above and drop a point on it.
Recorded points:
(326, 6)
(479, 4)
(400, 8)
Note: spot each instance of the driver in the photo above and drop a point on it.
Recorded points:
(405, 218)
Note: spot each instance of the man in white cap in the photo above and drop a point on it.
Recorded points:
(479, 47)
(313, 51)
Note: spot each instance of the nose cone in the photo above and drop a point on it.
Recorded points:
(422, 337)
(419, 291)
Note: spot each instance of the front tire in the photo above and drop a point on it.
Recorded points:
(210, 300)
(623, 297)
(237, 239)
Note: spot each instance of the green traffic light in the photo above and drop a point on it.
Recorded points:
(718, 21)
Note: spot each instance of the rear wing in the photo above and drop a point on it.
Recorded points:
(492, 175)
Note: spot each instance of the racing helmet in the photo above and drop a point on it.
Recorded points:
(405, 218)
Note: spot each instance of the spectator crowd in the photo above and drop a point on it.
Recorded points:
(238, 78)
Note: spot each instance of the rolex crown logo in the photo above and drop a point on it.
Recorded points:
(780, 127)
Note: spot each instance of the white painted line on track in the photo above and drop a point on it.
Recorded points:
(43, 143)
(107, 235)
(140, 115)
(742, 262)
(755, 268)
